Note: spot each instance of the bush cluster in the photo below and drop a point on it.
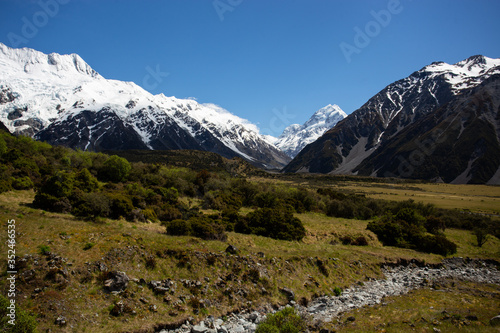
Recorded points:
(409, 229)
(95, 185)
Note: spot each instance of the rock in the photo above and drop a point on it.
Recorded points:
(288, 293)
(351, 318)
(232, 249)
(118, 281)
(117, 309)
(495, 321)
(61, 321)
(161, 290)
(199, 328)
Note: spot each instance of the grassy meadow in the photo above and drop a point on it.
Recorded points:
(311, 267)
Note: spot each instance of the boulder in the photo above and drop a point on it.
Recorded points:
(232, 249)
(118, 281)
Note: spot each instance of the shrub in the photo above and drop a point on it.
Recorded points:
(346, 240)
(285, 321)
(120, 205)
(206, 228)
(60, 185)
(406, 229)
(337, 291)
(178, 228)
(115, 169)
(43, 249)
(88, 246)
(22, 183)
(277, 223)
(481, 236)
(85, 181)
(92, 206)
(437, 244)
(24, 322)
(360, 241)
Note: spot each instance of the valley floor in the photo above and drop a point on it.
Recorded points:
(66, 262)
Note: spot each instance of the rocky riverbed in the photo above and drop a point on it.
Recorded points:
(399, 280)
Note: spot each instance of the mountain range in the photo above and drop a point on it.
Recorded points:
(60, 99)
(441, 123)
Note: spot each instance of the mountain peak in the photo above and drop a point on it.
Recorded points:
(295, 137)
(476, 60)
(33, 60)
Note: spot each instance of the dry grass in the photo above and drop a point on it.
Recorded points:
(476, 198)
(294, 264)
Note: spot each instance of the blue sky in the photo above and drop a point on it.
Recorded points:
(273, 62)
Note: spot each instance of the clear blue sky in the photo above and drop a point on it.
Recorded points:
(263, 60)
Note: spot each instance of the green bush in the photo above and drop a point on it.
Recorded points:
(60, 185)
(115, 169)
(85, 181)
(88, 246)
(277, 223)
(407, 229)
(43, 249)
(92, 206)
(207, 228)
(178, 228)
(22, 183)
(24, 322)
(285, 321)
(119, 205)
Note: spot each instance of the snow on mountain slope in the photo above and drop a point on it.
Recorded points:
(467, 73)
(61, 99)
(295, 137)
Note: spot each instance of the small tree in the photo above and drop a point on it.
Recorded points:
(481, 236)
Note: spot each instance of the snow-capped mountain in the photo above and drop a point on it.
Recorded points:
(403, 132)
(62, 100)
(295, 137)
